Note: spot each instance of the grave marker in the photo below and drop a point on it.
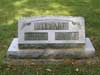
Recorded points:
(51, 37)
(51, 30)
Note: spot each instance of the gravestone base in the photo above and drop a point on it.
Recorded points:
(82, 61)
(15, 52)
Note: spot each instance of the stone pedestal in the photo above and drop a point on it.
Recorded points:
(15, 52)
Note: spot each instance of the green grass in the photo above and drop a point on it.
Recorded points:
(12, 10)
(50, 70)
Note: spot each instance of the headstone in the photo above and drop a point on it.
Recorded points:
(47, 37)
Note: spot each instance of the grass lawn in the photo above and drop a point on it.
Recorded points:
(12, 10)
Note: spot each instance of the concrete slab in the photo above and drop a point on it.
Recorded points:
(15, 52)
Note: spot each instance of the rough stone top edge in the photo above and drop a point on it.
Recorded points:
(27, 19)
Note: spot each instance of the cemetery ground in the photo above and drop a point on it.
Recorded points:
(12, 10)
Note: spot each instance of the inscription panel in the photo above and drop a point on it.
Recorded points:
(67, 36)
(51, 26)
(36, 36)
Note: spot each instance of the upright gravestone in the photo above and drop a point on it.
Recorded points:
(51, 37)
